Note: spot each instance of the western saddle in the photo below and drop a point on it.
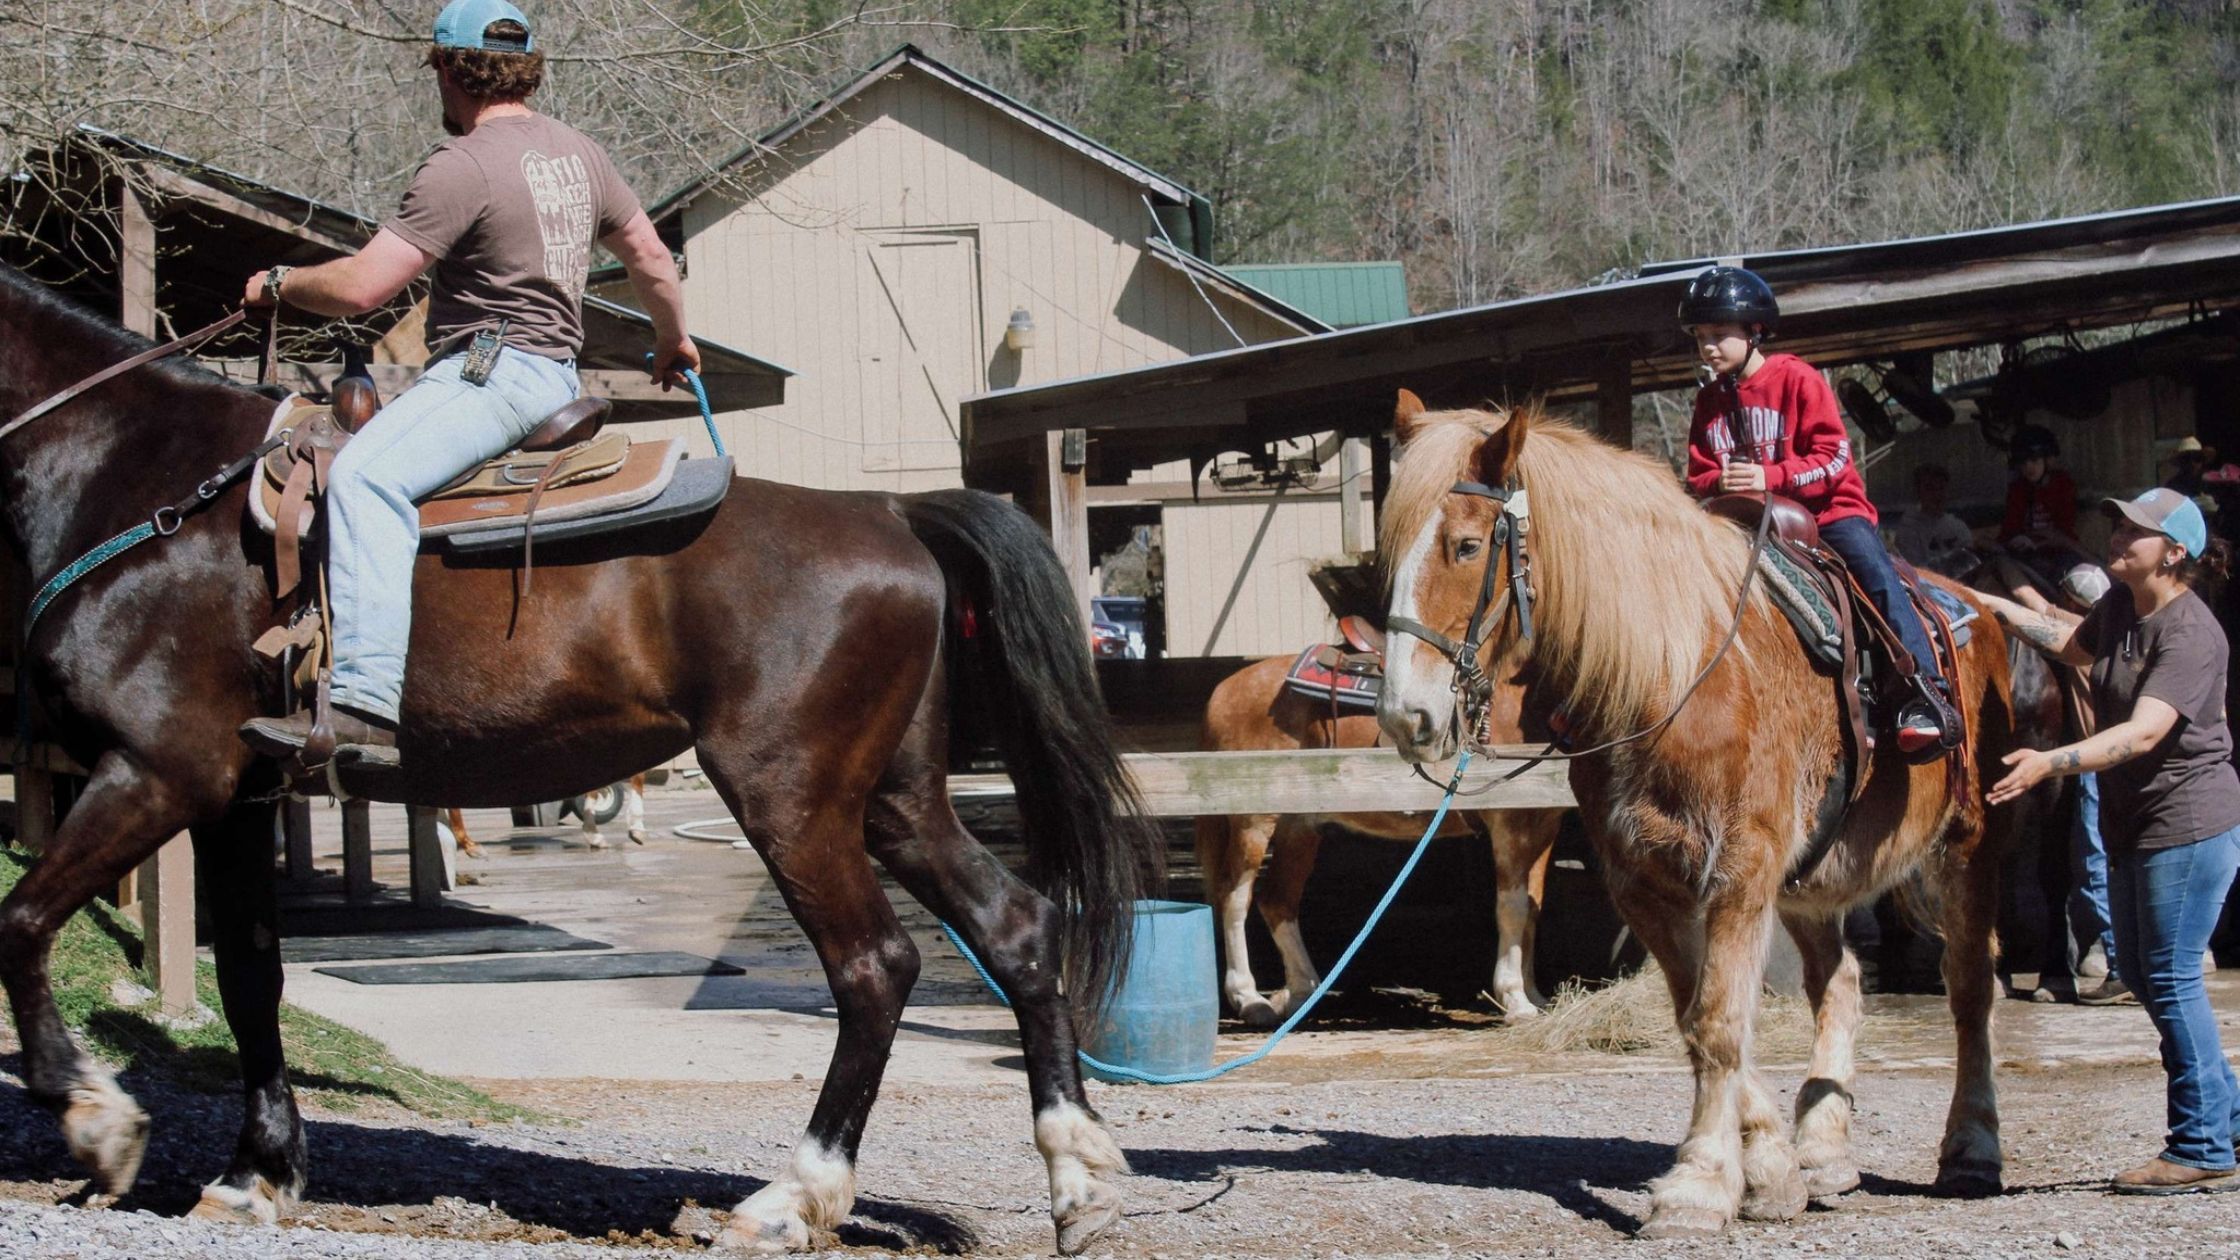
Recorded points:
(570, 476)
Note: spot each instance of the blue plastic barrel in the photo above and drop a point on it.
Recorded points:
(1163, 1016)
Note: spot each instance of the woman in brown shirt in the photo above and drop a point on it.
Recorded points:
(2169, 808)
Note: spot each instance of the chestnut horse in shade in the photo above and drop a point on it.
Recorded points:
(1252, 709)
(811, 647)
(1700, 823)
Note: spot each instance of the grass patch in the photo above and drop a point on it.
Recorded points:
(336, 1067)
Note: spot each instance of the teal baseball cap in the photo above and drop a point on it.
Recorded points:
(467, 23)
(2166, 512)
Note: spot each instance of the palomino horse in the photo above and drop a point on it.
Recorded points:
(1252, 709)
(1701, 821)
(809, 645)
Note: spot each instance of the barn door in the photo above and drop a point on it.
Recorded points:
(919, 294)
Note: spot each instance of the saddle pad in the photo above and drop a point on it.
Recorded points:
(1957, 612)
(1797, 594)
(644, 474)
(1311, 678)
(696, 486)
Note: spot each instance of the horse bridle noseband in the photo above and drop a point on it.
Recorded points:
(1472, 687)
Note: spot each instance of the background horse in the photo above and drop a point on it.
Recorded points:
(1252, 709)
(805, 644)
(633, 790)
(1700, 825)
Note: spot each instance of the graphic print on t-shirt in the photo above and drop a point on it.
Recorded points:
(1763, 443)
(561, 189)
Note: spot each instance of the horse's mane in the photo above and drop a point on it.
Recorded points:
(61, 321)
(1635, 582)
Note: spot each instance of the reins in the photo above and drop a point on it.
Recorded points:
(114, 370)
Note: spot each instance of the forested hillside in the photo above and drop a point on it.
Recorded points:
(1497, 146)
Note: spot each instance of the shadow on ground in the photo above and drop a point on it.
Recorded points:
(1568, 1170)
(372, 1167)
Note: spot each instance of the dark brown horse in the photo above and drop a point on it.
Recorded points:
(808, 645)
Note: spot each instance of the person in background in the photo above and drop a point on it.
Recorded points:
(1929, 536)
(2041, 518)
(2172, 805)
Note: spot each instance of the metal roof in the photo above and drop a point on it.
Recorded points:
(1840, 304)
(1340, 294)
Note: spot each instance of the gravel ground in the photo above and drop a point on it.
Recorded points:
(1529, 1165)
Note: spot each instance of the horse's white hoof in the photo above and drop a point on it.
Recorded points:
(1780, 1200)
(1085, 1218)
(1259, 1012)
(764, 1238)
(1679, 1222)
(1517, 1010)
(260, 1203)
(1829, 1181)
(107, 1132)
(596, 841)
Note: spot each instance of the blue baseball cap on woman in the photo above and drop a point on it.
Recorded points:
(2166, 512)
(467, 23)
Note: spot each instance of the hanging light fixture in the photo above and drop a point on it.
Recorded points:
(1018, 334)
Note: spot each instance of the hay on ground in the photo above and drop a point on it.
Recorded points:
(1634, 1016)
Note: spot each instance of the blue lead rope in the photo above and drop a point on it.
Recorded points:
(1275, 1038)
(707, 413)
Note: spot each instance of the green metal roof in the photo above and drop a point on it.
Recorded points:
(1342, 295)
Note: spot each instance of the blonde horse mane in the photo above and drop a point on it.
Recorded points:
(1635, 582)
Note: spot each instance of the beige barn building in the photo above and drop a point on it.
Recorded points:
(885, 243)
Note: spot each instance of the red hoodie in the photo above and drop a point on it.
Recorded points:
(1793, 428)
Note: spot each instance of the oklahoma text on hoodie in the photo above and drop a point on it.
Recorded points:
(1792, 427)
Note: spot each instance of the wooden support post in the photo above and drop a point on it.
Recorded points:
(1064, 496)
(295, 831)
(167, 924)
(1380, 479)
(1356, 532)
(34, 807)
(357, 852)
(1613, 398)
(137, 268)
(426, 852)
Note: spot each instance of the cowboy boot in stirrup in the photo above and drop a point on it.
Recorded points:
(357, 738)
(1927, 725)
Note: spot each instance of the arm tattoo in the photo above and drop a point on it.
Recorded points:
(2040, 631)
(2067, 761)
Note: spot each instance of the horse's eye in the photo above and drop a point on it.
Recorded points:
(1468, 548)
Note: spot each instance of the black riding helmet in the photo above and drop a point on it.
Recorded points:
(2032, 441)
(1730, 295)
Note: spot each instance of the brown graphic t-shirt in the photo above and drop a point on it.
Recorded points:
(511, 209)
(2183, 789)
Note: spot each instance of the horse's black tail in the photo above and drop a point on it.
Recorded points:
(1020, 668)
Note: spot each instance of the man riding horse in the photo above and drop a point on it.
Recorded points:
(506, 212)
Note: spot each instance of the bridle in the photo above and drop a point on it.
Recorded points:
(1473, 688)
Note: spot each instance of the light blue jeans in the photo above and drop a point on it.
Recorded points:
(416, 445)
(2088, 905)
(2166, 903)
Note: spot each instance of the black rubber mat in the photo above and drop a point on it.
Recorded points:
(332, 916)
(535, 967)
(532, 938)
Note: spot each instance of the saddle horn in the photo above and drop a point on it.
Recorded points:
(355, 396)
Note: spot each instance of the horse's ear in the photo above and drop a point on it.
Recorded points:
(1497, 456)
(1407, 416)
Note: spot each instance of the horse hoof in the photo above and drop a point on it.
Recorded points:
(1828, 1182)
(107, 1132)
(756, 1237)
(1259, 1013)
(597, 842)
(1684, 1223)
(1518, 1011)
(1782, 1200)
(259, 1203)
(1969, 1180)
(1082, 1221)
(637, 835)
